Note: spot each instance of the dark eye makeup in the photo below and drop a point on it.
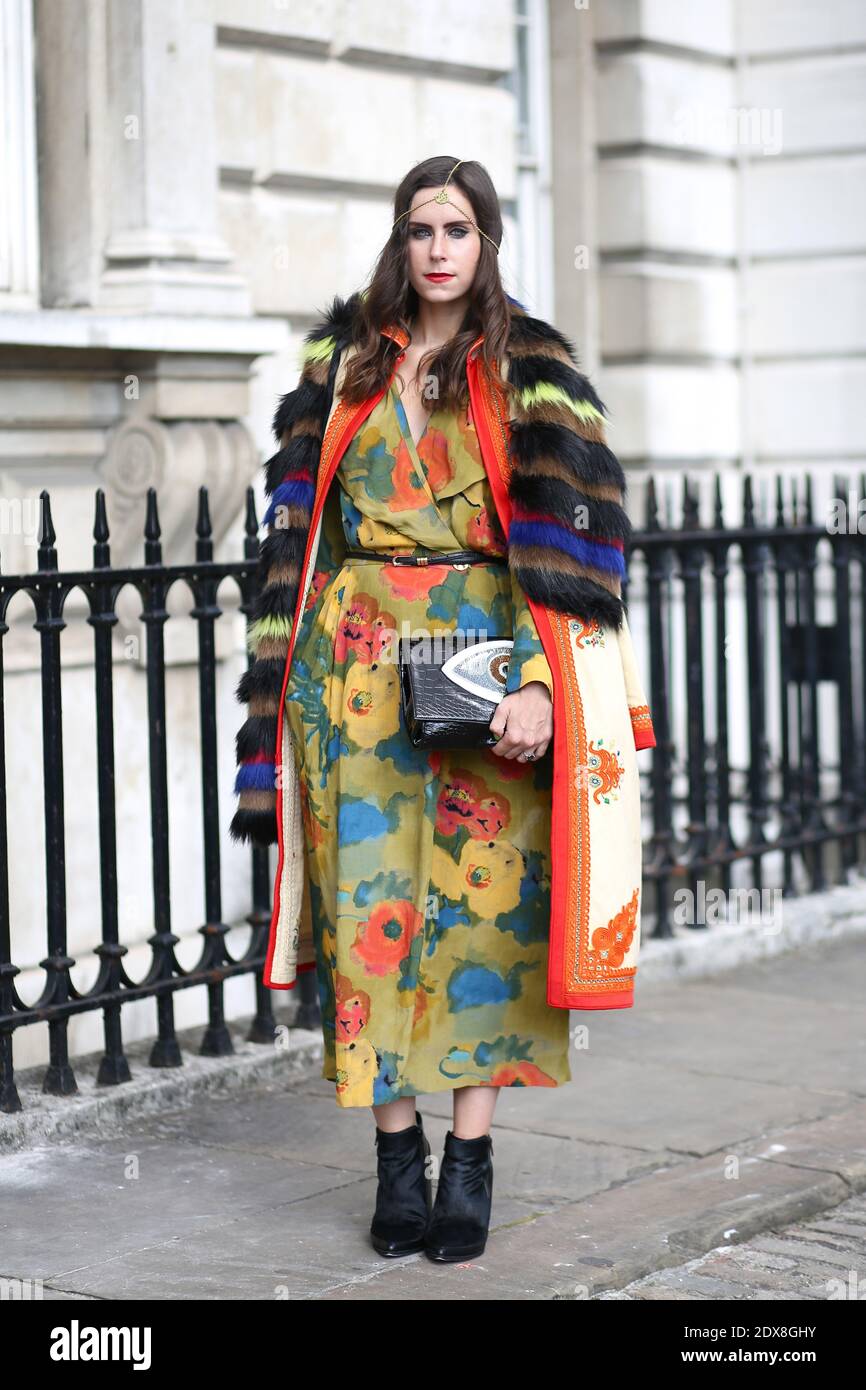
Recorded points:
(459, 232)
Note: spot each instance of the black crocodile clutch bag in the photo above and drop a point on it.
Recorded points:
(450, 689)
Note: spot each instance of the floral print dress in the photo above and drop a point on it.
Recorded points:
(429, 869)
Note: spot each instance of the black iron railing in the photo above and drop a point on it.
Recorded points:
(48, 590)
(736, 609)
(701, 594)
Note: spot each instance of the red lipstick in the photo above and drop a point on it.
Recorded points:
(437, 278)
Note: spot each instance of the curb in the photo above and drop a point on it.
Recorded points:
(804, 1193)
(837, 913)
(101, 1110)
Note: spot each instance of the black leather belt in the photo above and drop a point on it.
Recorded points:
(442, 557)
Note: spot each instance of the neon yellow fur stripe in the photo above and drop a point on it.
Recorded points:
(320, 351)
(271, 627)
(545, 392)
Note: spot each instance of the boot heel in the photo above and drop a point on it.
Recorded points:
(461, 1213)
(404, 1197)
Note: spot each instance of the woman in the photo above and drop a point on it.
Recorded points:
(428, 872)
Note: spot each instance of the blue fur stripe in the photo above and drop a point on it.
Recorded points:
(297, 492)
(256, 777)
(596, 554)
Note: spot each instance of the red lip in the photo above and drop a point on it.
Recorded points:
(438, 277)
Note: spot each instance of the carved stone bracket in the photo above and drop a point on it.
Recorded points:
(176, 459)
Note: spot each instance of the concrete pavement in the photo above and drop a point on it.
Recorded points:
(714, 1111)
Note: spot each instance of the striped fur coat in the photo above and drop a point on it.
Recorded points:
(559, 492)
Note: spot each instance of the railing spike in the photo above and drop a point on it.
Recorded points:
(100, 517)
(203, 528)
(843, 494)
(47, 535)
(101, 554)
(748, 502)
(691, 517)
(651, 507)
(152, 532)
(251, 527)
(251, 521)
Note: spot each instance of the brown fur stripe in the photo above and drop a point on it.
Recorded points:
(271, 648)
(548, 466)
(264, 705)
(284, 575)
(258, 800)
(531, 559)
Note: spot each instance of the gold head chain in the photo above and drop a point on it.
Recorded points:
(442, 197)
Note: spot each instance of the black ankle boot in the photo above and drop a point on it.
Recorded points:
(461, 1213)
(404, 1197)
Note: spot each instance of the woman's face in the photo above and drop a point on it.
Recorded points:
(442, 242)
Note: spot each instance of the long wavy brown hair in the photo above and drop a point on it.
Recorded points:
(391, 300)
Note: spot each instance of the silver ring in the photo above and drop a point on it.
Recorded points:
(530, 757)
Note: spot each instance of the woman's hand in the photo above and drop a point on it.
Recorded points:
(524, 719)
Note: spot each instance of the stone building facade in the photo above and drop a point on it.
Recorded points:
(186, 185)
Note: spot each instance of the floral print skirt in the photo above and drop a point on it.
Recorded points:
(429, 869)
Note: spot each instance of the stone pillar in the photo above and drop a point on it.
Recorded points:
(128, 158)
(19, 262)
